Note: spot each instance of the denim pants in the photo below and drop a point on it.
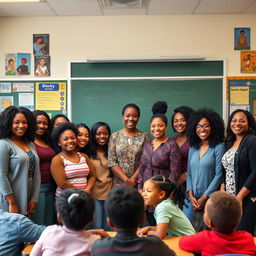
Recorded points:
(100, 218)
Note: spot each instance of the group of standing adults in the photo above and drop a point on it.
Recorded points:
(65, 155)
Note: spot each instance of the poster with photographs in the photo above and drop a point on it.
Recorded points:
(41, 44)
(42, 66)
(10, 64)
(242, 38)
(23, 63)
(248, 61)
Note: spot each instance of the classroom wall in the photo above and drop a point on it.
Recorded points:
(76, 38)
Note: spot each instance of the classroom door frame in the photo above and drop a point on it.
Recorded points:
(161, 78)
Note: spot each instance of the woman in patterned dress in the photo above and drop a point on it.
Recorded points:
(161, 156)
(125, 148)
(239, 163)
(70, 169)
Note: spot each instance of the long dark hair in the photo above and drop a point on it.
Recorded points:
(6, 119)
(94, 144)
(45, 137)
(231, 137)
(87, 147)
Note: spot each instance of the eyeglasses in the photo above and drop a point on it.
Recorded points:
(205, 126)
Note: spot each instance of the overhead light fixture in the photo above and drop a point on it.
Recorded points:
(21, 1)
(144, 59)
(120, 3)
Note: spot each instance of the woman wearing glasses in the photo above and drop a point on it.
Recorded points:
(204, 174)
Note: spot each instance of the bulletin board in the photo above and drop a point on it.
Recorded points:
(241, 93)
(47, 95)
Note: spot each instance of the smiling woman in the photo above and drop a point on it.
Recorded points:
(19, 163)
(125, 147)
(70, 169)
(204, 175)
(161, 156)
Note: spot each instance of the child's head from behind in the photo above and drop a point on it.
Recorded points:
(75, 208)
(125, 208)
(159, 188)
(222, 212)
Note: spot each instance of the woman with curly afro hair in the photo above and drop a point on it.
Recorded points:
(205, 132)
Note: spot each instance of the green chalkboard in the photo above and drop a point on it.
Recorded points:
(16, 96)
(94, 101)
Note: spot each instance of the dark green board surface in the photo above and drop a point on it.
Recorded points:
(94, 101)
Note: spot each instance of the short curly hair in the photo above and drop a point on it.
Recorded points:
(217, 127)
(125, 207)
(6, 119)
(56, 133)
(185, 111)
(224, 210)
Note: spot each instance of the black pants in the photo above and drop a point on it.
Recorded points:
(248, 220)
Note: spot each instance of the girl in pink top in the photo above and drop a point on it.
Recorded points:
(75, 210)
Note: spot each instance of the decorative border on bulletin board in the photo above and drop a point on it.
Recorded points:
(241, 93)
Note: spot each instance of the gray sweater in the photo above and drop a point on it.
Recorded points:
(14, 166)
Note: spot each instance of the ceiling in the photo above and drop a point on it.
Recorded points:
(145, 7)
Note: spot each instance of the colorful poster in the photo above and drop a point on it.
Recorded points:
(248, 61)
(10, 64)
(23, 87)
(23, 63)
(242, 38)
(41, 44)
(5, 102)
(42, 66)
(239, 93)
(5, 87)
(51, 96)
(26, 100)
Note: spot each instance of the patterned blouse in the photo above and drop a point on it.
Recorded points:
(125, 151)
(184, 149)
(76, 173)
(228, 164)
(165, 160)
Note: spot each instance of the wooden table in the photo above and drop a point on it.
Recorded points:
(172, 242)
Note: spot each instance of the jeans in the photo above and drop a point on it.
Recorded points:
(100, 218)
(188, 211)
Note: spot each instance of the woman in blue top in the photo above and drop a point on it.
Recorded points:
(204, 174)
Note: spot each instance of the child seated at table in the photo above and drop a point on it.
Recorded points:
(75, 210)
(125, 210)
(222, 214)
(15, 230)
(166, 196)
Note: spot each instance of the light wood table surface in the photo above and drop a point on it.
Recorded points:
(172, 242)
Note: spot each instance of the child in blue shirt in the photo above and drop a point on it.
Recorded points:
(16, 229)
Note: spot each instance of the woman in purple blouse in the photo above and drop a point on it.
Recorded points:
(179, 122)
(160, 156)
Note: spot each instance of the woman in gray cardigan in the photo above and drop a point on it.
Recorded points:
(19, 163)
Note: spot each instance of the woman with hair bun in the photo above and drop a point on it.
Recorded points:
(160, 156)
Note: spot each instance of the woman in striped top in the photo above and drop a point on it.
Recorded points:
(70, 169)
